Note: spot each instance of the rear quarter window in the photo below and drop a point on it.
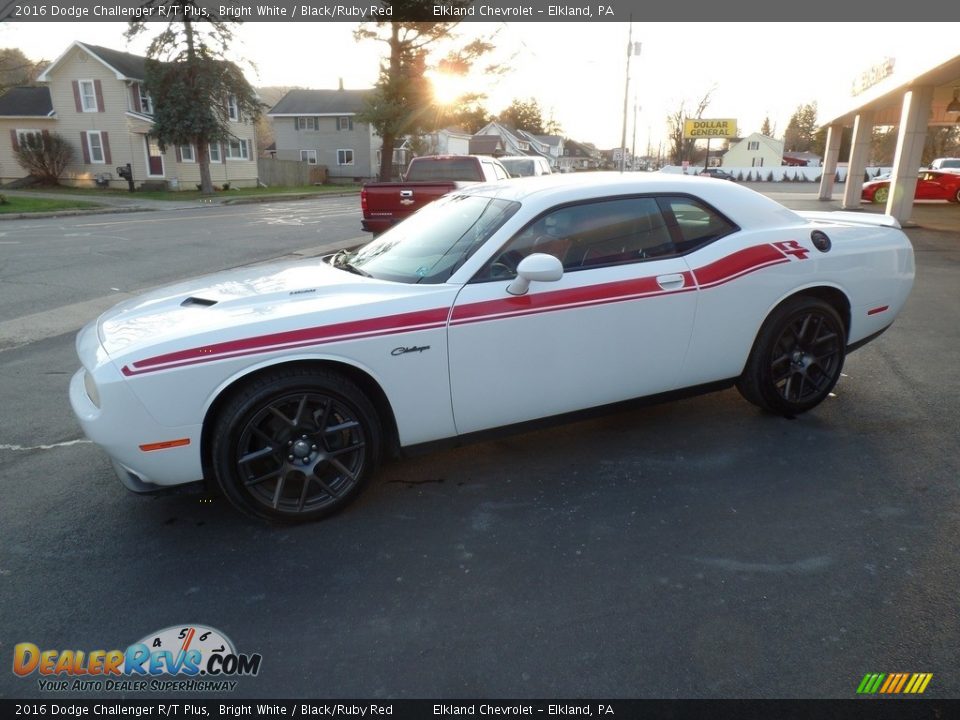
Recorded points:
(696, 223)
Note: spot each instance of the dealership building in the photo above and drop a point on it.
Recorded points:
(913, 93)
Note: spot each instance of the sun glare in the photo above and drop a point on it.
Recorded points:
(446, 88)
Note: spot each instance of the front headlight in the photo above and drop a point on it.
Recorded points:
(91, 387)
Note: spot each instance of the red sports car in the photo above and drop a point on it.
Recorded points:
(931, 185)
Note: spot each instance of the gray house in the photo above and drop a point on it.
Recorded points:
(319, 127)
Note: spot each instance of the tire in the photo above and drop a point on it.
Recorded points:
(881, 195)
(295, 445)
(796, 358)
(956, 196)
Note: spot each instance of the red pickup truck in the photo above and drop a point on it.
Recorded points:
(427, 178)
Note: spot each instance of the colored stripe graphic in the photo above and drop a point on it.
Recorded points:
(894, 683)
(708, 276)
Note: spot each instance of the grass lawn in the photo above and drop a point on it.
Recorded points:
(196, 195)
(32, 205)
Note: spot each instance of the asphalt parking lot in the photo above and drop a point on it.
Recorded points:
(694, 549)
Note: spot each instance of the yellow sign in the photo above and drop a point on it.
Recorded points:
(706, 128)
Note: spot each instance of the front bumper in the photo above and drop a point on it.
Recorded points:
(122, 427)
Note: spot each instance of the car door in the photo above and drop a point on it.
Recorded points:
(929, 187)
(614, 327)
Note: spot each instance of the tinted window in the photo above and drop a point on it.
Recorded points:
(696, 223)
(589, 235)
(432, 243)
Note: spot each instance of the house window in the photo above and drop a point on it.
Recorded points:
(307, 123)
(237, 150)
(309, 156)
(233, 108)
(95, 144)
(88, 95)
(214, 150)
(186, 154)
(344, 157)
(146, 102)
(26, 138)
(753, 145)
(343, 123)
(523, 145)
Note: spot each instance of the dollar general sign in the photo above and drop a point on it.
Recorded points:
(706, 128)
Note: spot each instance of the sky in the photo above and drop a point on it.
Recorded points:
(577, 71)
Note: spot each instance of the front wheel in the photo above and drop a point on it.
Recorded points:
(956, 196)
(881, 195)
(295, 445)
(797, 357)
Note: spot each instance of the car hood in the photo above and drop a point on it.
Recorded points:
(228, 304)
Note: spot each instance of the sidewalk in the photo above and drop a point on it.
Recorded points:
(111, 203)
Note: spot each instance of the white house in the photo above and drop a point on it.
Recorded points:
(755, 150)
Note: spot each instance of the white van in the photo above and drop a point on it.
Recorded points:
(526, 165)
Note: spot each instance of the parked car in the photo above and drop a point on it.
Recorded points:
(947, 164)
(718, 173)
(494, 306)
(526, 165)
(931, 185)
(427, 178)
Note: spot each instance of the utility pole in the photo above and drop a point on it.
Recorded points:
(626, 95)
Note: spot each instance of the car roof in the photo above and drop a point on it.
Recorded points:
(744, 206)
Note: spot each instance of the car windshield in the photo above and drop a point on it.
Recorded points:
(431, 244)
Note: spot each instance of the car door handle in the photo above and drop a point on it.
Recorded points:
(406, 193)
(670, 282)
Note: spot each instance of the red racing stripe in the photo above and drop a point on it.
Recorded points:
(739, 263)
(716, 273)
(373, 327)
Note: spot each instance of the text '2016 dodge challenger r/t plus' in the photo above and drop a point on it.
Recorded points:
(284, 384)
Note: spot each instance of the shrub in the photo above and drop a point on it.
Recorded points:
(45, 156)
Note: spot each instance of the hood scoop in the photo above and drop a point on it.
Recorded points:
(197, 302)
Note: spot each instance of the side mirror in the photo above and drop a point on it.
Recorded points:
(538, 266)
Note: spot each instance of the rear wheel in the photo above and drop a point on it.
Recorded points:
(881, 195)
(956, 196)
(797, 357)
(295, 445)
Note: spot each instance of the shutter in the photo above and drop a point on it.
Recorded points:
(223, 153)
(45, 134)
(105, 141)
(14, 141)
(249, 149)
(296, 124)
(351, 123)
(86, 148)
(135, 90)
(179, 154)
(76, 95)
(98, 90)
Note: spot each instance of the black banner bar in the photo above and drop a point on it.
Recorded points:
(858, 709)
(738, 11)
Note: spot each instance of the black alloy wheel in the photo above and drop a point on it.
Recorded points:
(295, 445)
(797, 357)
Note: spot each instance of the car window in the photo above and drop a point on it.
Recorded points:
(697, 224)
(463, 169)
(588, 235)
(431, 244)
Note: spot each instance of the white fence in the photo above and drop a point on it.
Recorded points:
(783, 173)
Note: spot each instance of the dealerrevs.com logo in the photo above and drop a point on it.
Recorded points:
(177, 658)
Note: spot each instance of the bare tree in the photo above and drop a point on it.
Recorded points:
(681, 148)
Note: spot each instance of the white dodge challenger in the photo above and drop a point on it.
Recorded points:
(491, 307)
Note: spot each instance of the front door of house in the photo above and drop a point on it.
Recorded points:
(154, 158)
